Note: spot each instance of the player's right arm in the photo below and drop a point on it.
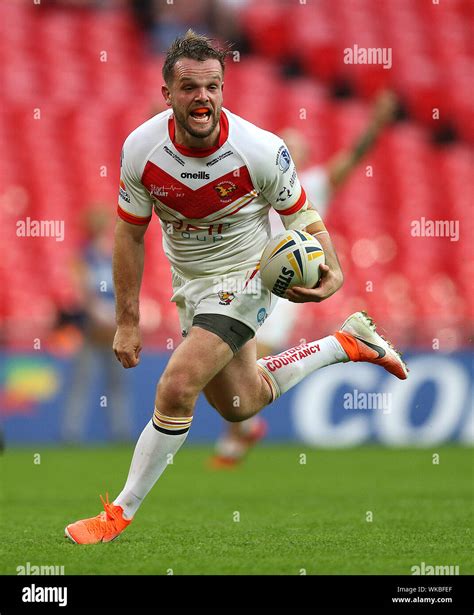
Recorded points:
(128, 261)
(134, 210)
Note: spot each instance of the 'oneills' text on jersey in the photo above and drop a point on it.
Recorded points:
(212, 204)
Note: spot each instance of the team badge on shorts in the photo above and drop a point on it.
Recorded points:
(225, 298)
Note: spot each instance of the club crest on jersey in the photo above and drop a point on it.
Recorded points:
(225, 188)
(225, 298)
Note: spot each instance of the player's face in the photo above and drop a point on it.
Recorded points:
(195, 95)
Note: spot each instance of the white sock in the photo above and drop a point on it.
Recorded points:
(158, 443)
(286, 369)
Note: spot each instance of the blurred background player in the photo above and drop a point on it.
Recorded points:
(320, 183)
(93, 270)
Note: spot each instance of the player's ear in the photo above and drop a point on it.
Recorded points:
(166, 94)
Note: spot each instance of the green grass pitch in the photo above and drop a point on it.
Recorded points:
(293, 517)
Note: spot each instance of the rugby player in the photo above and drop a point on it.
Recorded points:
(211, 178)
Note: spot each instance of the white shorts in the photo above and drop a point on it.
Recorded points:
(239, 295)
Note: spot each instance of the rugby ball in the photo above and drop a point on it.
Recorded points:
(291, 259)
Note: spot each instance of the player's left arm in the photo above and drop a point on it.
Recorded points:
(331, 278)
(285, 193)
(306, 218)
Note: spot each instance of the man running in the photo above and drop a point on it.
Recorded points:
(211, 178)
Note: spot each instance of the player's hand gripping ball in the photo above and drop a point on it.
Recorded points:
(291, 259)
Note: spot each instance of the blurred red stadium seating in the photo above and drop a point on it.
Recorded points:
(66, 112)
(431, 48)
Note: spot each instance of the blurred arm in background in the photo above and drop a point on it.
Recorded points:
(343, 163)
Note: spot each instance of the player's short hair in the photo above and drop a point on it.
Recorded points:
(193, 46)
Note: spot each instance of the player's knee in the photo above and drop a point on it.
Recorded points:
(176, 395)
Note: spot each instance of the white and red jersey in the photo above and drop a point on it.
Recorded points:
(212, 203)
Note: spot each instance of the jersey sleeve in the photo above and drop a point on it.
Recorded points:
(280, 184)
(135, 204)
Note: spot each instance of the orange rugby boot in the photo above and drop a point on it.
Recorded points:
(361, 342)
(103, 528)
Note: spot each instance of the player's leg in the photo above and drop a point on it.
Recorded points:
(196, 361)
(245, 386)
(239, 437)
(357, 340)
(199, 357)
(240, 390)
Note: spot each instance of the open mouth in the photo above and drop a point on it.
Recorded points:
(201, 115)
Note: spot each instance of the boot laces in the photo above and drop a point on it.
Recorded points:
(111, 512)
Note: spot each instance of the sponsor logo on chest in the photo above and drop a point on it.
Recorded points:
(198, 175)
